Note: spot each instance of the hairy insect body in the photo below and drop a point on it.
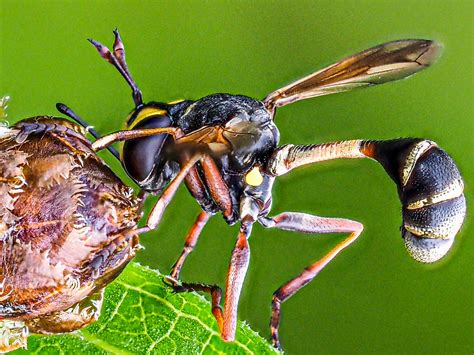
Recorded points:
(61, 207)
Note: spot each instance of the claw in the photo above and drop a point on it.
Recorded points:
(172, 282)
(276, 344)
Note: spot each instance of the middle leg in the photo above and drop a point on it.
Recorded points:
(227, 318)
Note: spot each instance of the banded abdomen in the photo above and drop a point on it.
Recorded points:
(430, 188)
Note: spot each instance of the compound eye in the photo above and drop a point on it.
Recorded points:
(254, 177)
(141, 155)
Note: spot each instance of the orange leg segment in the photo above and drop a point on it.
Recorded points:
(190, 243)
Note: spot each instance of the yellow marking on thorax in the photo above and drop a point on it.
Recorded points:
(254, 177)
(175, 102)
(145, 113)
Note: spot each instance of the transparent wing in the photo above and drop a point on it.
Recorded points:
(387, 62)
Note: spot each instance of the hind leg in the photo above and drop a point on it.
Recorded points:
(305, 223)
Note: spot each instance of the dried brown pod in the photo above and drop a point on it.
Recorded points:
(66, 229)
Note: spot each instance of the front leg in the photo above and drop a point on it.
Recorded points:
(190, 243)
(305, 223)
(154, 218)
(429, 184)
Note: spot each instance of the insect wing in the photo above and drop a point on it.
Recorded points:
(386, 62)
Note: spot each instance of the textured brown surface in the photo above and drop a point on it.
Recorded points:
(60, 205)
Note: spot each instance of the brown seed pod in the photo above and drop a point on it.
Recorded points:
(66, 229)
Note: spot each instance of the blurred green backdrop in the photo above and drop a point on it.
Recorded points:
(373, 298)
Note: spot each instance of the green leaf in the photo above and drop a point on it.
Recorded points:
(141, 315)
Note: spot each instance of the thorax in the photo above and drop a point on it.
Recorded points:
(237, 132)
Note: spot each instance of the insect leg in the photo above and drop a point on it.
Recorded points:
(156, 213)
(214, 290)
(305, 223)
(43, 125)
(217, 186)
(196, 187)
(429, 184)
(239, 264)
(101, 258)
(190, 243)
(119, 136)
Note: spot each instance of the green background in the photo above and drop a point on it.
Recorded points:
(373, 298)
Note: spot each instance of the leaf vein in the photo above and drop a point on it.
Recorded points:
(102, 344)
(178, 312)
(114, 312)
